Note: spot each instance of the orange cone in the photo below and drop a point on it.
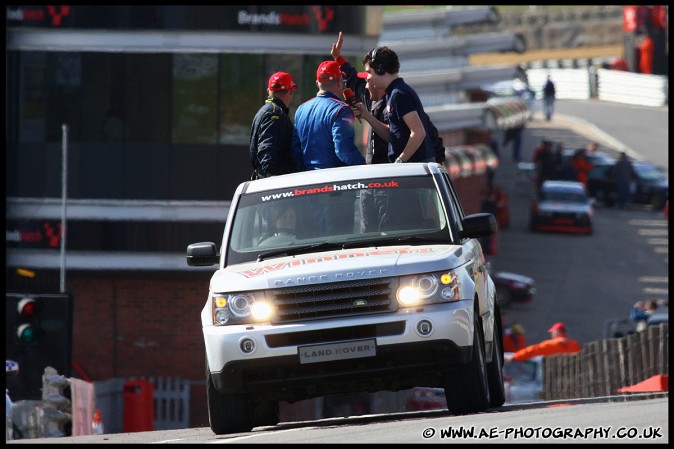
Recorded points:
(659, 382)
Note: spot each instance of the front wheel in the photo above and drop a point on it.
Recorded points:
(467, 390)
(265, 413)
(227, 413)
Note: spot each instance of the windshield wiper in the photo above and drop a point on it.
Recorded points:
(409, 239)
(323, 246)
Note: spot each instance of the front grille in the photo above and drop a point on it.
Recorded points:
(359, 297)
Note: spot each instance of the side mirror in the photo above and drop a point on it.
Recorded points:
(202, 254)
(479, 225)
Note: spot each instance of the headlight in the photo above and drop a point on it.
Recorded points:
(429, 288)
(240, 304)
(238, 308)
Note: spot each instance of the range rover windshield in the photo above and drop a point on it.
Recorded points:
(359, 213)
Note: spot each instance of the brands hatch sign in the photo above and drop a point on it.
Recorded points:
(317, 19)
(44, 235)
(323, 15)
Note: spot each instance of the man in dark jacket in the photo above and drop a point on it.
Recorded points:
(624, 175)
(549, 98)
(272, 131)
(374, 100)
(404, 126)
(374, 203)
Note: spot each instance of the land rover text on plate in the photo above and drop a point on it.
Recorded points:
(346, 280)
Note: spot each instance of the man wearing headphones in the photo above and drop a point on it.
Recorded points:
(375, 101)
(373, 203)
(403, 128)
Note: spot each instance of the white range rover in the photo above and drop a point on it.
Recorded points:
(346, 280)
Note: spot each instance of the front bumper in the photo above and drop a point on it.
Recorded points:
(557, 223)
(404, 358)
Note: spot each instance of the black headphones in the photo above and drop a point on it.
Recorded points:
(377, 67)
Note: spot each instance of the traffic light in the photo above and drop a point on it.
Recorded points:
(28, 328)
(56, 404)
(38, 334)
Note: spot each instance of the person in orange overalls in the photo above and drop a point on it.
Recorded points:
(581, 165)
(560, 343)
(513, 334)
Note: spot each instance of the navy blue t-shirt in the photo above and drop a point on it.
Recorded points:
(401, 99)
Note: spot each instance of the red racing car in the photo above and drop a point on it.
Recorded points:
(562, 206)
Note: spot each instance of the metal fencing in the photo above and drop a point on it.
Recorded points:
(604, 366)
(171, 402)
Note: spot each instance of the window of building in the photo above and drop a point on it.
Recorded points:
(140, 126)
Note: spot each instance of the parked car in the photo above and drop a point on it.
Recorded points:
(562, 206)
(651, 185)
(523, 380)
(513, 287)
(426, 398)
(595, 158)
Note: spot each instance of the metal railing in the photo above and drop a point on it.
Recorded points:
(171, 402)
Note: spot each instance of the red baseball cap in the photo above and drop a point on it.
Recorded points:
(281, 81)
(328, 70)
(557, 327)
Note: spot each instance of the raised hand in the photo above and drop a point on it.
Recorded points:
(336, 50)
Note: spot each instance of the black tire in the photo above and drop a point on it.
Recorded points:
(227, 413)
(495, 367)
(265, 414)
(467, 390)
(503, 295)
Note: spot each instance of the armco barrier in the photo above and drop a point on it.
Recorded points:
(608, 85)
(605, 366)
(633, 88)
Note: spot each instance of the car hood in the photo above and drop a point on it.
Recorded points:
(340, 265)
(563, 206)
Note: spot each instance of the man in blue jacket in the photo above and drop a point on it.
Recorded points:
(324, 138)
(324, 133)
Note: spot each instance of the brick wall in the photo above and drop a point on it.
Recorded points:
(141, 326)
